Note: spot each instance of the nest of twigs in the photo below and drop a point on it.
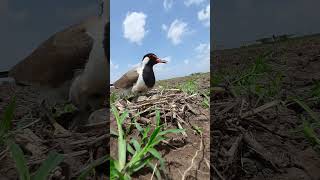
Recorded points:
(174, 105)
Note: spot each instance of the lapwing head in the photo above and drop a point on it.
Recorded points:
(152, 59)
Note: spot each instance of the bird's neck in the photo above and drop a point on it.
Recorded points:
(148, 76)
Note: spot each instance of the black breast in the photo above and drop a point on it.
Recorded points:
(148, 76)
(106, 39)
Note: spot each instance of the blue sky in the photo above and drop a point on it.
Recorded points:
(178, 31)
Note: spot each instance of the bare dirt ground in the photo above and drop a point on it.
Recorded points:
(37, 135)
(257, 131)
(184, 154)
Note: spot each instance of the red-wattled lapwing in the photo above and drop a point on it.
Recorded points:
(141, 78)
(52, 66)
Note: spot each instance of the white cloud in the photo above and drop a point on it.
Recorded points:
(114, 66)
(164, 27)
(115, 71)
(176, 31)
(203, 54)
(167, 4)
(204, 16)
(199, 61)
(191, 2)
(134, 27)
(133, 65)
(203, 47)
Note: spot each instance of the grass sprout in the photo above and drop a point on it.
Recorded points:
(308, 127)
(142, 152)
(189, 87)
(53, 159)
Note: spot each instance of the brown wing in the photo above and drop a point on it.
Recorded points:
(127, 80)
(53, 62)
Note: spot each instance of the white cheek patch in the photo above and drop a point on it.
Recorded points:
(145, 60)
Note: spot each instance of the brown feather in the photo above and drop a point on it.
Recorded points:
(54, 61)
(127, 80)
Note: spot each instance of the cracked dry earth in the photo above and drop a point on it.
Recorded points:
(177, 109)
(253, 139)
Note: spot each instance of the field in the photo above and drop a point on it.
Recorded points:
(265, 103)
(37, 141)
(183, 109)
(35, 134)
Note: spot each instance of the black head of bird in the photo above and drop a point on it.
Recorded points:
(151, 59)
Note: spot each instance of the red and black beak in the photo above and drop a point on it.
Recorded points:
(161, 61)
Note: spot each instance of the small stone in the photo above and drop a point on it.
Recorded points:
(155, 97)
(142, 98)
(98, 116)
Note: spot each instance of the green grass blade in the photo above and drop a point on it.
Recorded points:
(121, 139)
(115, 163)
(136, 166)
(115, 112)
(53, 160)
(137, 125)
(130, 149)
(5, 123)
(123, 117)
(136, 159)
(157, 155)
(157, 141)
(91, 166)
(145, 133)
(308, 109)
(122, 152)
(113, 98)
(310, 134)
(171, 131)
(206, 101)
(20, 161)
(157, 118)
(153, 136)
(114, 173)
(136, 144)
